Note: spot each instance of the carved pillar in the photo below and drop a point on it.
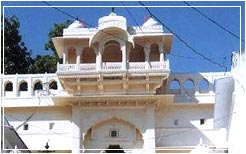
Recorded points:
(146, 53)
(65, 56)
(124, 56)
(65, 53)
(99, 57)
(76, 137)
(128, 51)
(78, 55)
(79, 49)
(162, 56)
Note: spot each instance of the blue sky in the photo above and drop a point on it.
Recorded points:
(198, 32)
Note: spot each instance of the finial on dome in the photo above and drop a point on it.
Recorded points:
(112, 13)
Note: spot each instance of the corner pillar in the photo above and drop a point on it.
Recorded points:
(162, 55)
(65, 53)
(149, 127)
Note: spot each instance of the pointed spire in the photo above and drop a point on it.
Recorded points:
(146, 18)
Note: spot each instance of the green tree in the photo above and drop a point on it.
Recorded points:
(17, 58)
(44, 63)
(48, 63)
(56, 31)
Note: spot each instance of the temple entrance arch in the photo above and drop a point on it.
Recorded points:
(114, 149)
(108, 133)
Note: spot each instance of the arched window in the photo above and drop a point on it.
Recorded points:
(8, 86)
(112, 52)
(38, 86)
(71, 55)
(154, 53)
(203, 86)
(53, 85)
(23, 86)
(189, 86)
(88, 55)
(174, 86)
(137, 54)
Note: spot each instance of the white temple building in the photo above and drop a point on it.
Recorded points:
(115, 90)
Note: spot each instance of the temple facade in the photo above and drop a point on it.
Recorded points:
(115, 90)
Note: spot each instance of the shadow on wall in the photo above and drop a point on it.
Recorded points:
(224, 103)
(186, 137)
(184, 126)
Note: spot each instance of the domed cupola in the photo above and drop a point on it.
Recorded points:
(76, 24)
(151, 22)
(112, 20)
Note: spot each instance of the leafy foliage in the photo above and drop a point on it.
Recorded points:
(44, 63)
(56, 31)
(17, 58)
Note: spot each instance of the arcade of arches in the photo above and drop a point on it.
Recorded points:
(111, 52)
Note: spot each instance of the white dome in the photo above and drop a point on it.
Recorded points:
(76, 24)
(151, 22)
(112, 20)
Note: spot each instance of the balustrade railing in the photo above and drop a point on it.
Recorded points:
(87, 67)
(66, 67)
(157, 65)
(112, 66)
(137, 65)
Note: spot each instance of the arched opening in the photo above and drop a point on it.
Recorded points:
(71, 55)
(137, 54)
(38, 86)
(113, 133)
(174, 86)
(23, 86)
(88, 55)
(53, 85)
(8, 86)
(112, 52)
(154, 53)
(114, 149)
(203, 86)
(189, 86)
